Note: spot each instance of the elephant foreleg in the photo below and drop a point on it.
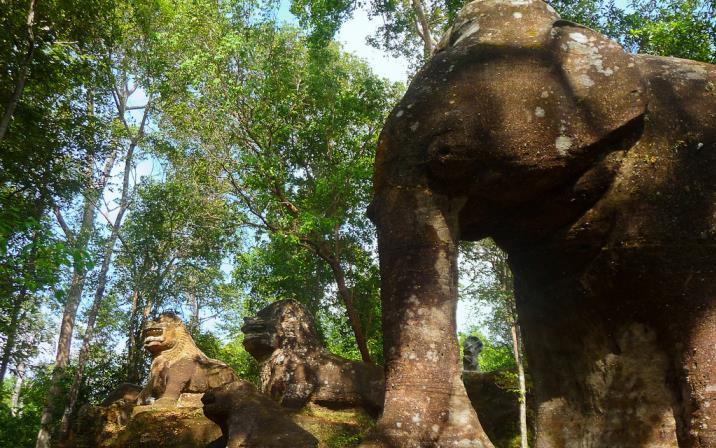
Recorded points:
(698, 379)
(425, 401)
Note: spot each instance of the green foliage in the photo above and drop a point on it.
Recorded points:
(486, 282)
(234, 355)
(324, 17)
(207, 343)
(681, 28)
(291, 134)
(21, 430)
(18, 431)
(174, 243)
(103, 373)
(57, 122)
(343, 440)
(495, 357)
(31, 259)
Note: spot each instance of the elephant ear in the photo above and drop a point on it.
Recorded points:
(603, 81)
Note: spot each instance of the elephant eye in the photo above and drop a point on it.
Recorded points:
(441, 142)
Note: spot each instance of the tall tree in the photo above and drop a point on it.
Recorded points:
(173, 245)
(291, 133)
(79, 241)
(412, 28)
(108, 102)
(122, 96)
(21, 75)
(30, 263)
(47, 129)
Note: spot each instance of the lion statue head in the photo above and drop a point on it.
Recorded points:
(285, 324)
(164, 333)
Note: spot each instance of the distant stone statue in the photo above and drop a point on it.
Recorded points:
(178, 366)
(297, 369)
(471, 352)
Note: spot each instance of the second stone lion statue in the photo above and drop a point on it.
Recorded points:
(178, 366)
(297, 369)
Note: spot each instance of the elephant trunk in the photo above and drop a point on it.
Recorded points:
(425, 402)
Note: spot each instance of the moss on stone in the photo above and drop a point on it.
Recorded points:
(165, 427)
(335, 428)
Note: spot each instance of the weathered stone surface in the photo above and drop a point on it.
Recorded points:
(497, 406)
(126, 392)
(297, 369)
(334, 427)
(100, 422)
(153, 427)
(594, 169)
(145, 427)
(252, 420)
(178, 366)
(471, 349)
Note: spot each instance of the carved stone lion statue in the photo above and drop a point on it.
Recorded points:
(178, 366)
(297, 369)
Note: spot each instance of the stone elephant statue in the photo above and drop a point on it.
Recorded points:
(595, 170)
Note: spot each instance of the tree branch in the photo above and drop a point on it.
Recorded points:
(428, 42)
(22, 76)
(63, 224)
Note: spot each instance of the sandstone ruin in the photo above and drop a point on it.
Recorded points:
(594, 170)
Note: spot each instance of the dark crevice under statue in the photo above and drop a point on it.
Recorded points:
(596, 171)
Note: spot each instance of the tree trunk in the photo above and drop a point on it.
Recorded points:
(423, 28)
(194, 321)
(15, 399)
(12, 334)
(22, 75)
(353, 318)
(17, 311)
(62, 357)
(425, 399)
(99, 295)
(132, 376)
(507, 284)
(130, 338)
(74, 296)
(517, 352)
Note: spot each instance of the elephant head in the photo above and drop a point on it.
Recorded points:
(513, 94)
(525, 127)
